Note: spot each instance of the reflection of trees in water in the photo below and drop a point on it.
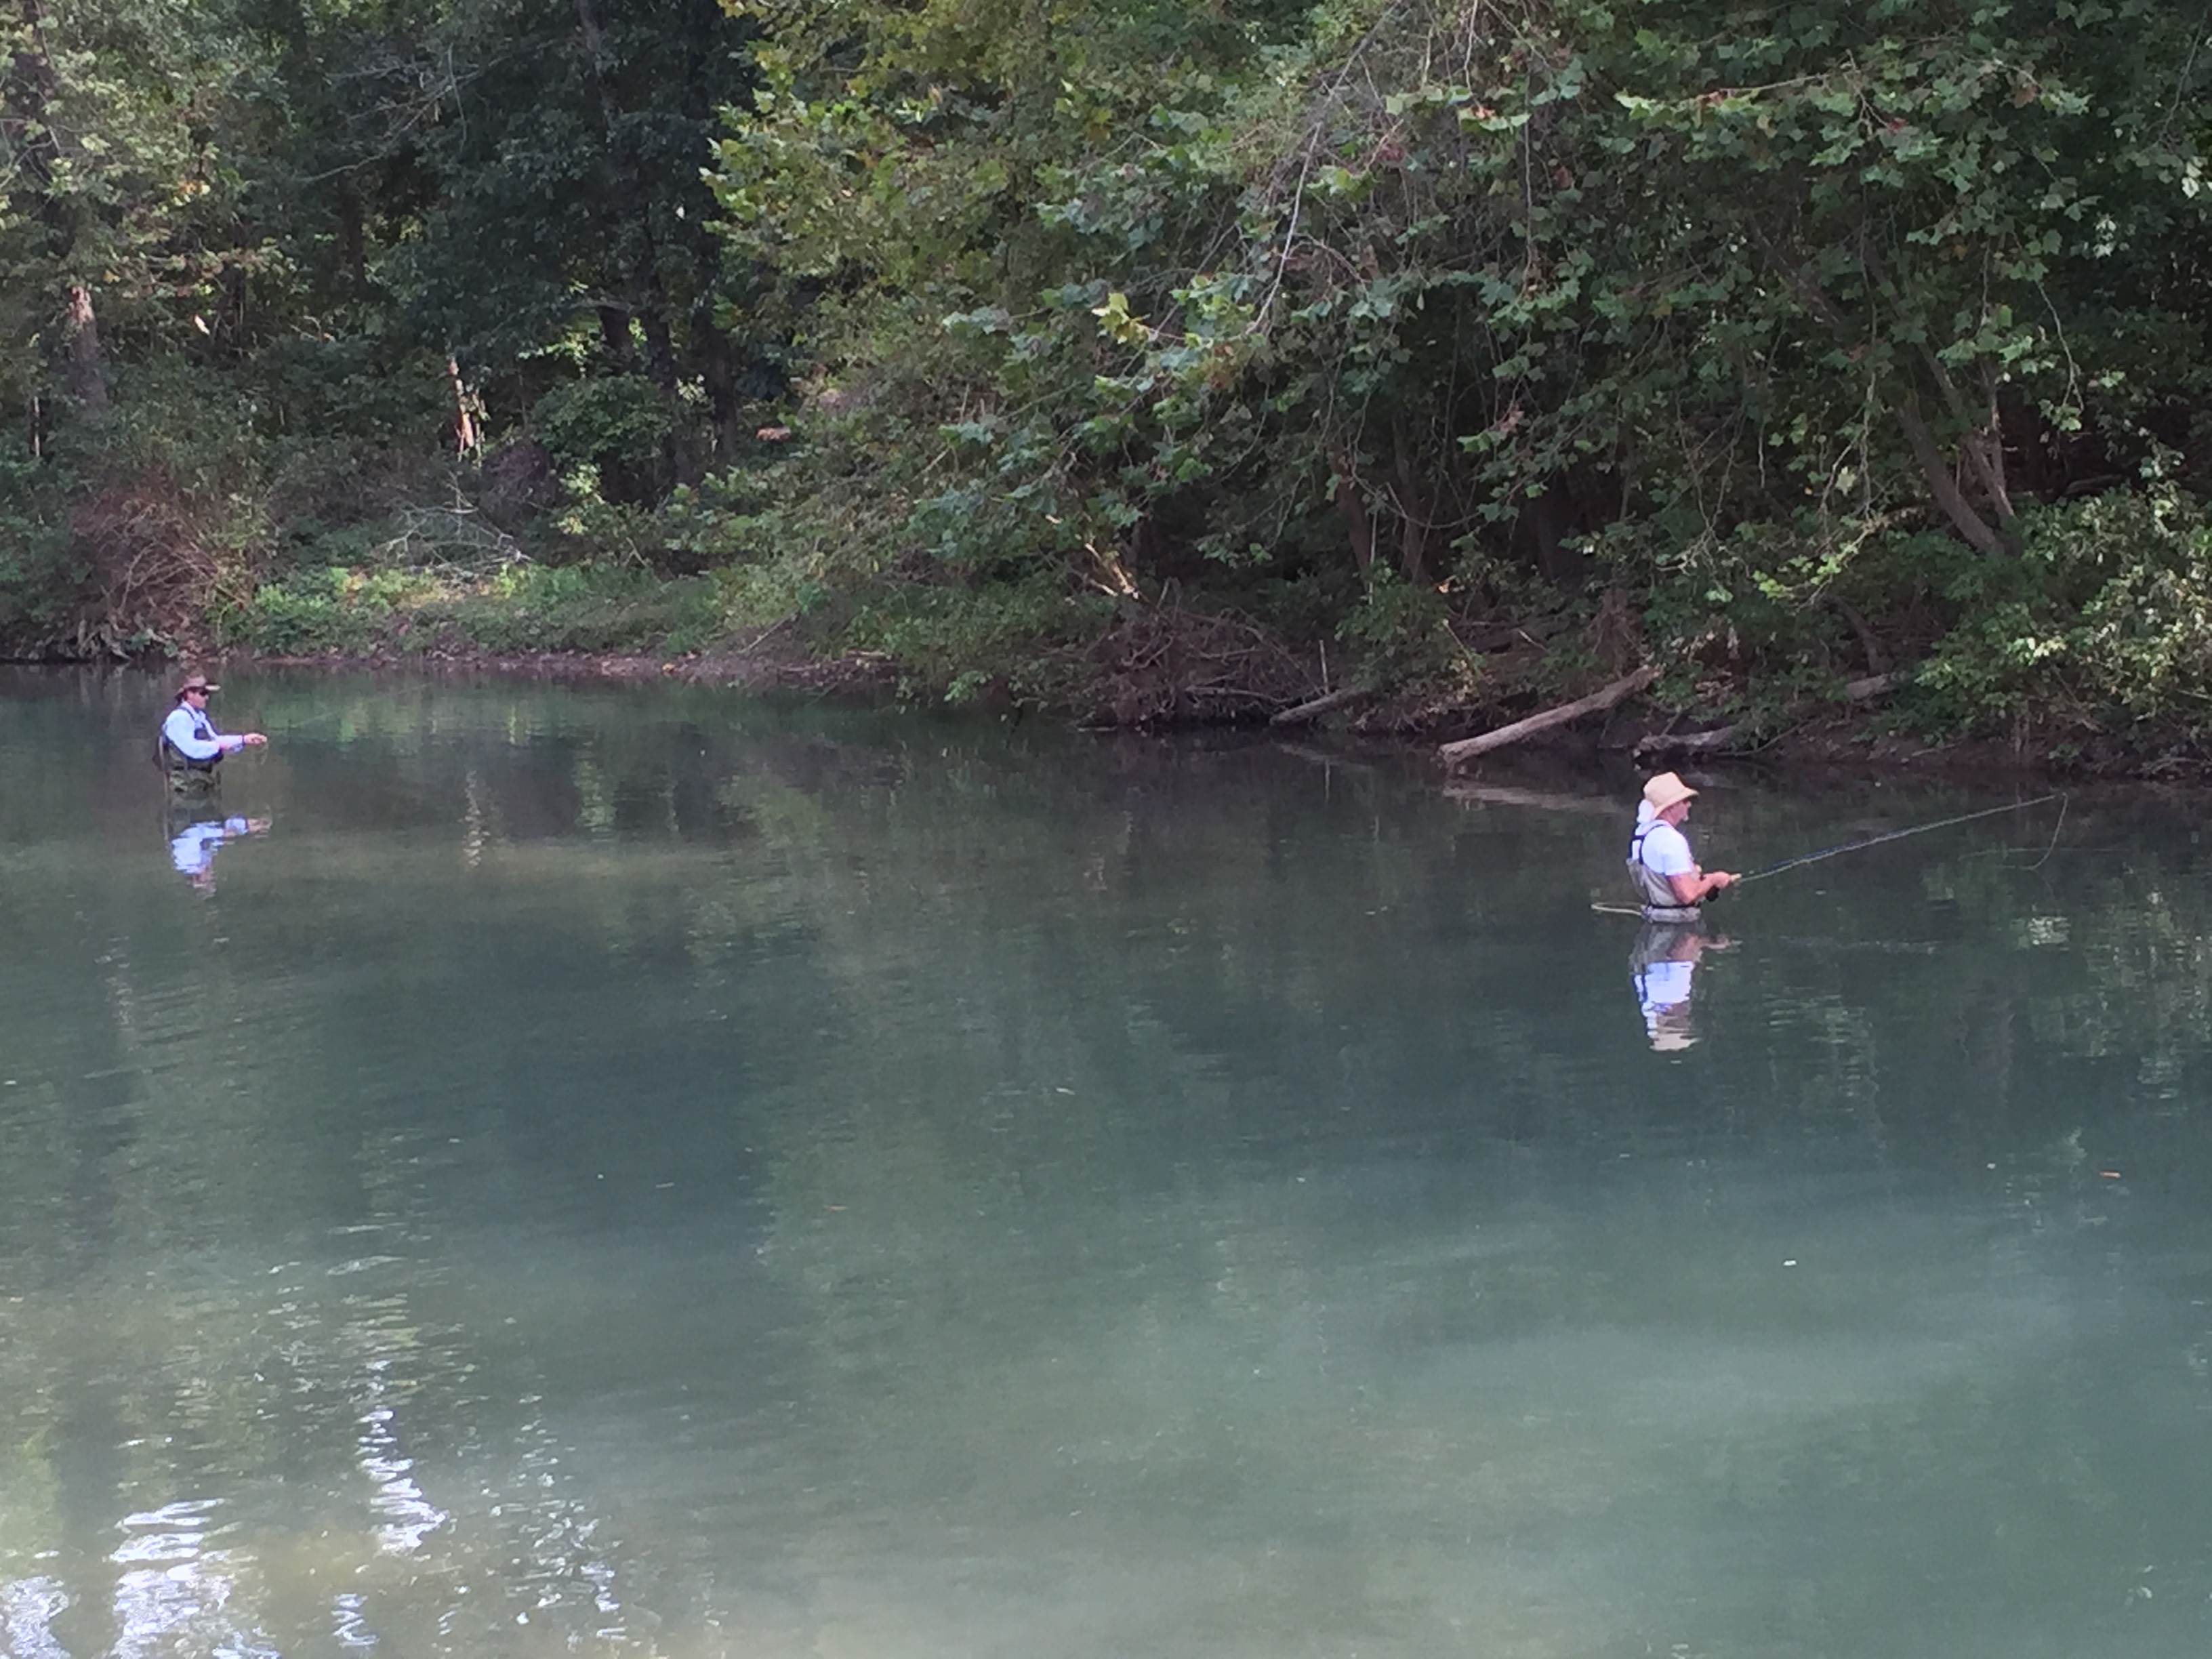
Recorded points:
(1241, 1007)
(1018, 1046)
(344, 1471)
(235, 1424)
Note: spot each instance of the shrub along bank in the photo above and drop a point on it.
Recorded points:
(2095, 636)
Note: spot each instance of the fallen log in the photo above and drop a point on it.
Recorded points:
(1689, 743)
(1499, 636)
(1872, 686)
(1318, 707)
(1456, 754)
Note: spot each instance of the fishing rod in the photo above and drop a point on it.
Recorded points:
(1898, 834)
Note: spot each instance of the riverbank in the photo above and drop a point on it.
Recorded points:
(2080, 676)
(2087, 652)
(779, 659)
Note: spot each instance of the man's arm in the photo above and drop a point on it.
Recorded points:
(1693, 885)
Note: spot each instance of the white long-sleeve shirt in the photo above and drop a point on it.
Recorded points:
(194, 737)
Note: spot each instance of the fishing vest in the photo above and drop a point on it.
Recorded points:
(1653, 889)
(187, 775)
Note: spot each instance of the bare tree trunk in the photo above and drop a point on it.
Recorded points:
(718, 372)
(1987, 450)
(87, 372)
(41, 145)
(1412, 511)
(1877, 660)
(231, 313)
(652, 312)
(653, 323)
(1943, 481)
(660, 364)
(353, 237)
(1357, 525)
(595, 44)
(465, 420)
(614, 334)
(1942, 485)
(1982, 441)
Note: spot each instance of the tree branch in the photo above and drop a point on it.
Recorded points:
(1941, 482)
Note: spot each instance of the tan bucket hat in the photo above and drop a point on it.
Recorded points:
(194, 683)
(1665, 791)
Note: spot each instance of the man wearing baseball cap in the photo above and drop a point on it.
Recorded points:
(191, 748)
(1659, 863)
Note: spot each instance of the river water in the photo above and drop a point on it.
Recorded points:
(643, 1171)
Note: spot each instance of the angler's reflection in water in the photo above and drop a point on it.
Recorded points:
(192, 847)
(1664, 963)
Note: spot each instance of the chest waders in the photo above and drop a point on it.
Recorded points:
(189, 780)
(1655, 892)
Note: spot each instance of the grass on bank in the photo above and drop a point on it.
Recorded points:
(348, 610)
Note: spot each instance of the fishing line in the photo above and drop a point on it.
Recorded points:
(2053, 847)
(1899, 835)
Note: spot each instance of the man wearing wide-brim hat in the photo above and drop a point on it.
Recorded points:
(191, 748)
(1660, 862)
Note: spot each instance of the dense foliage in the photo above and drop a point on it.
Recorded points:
(1774, 345)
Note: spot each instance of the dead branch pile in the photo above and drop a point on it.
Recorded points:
(1159, 665)
(453, 541)
(153, 572)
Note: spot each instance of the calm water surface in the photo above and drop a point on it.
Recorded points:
(642, 1172)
